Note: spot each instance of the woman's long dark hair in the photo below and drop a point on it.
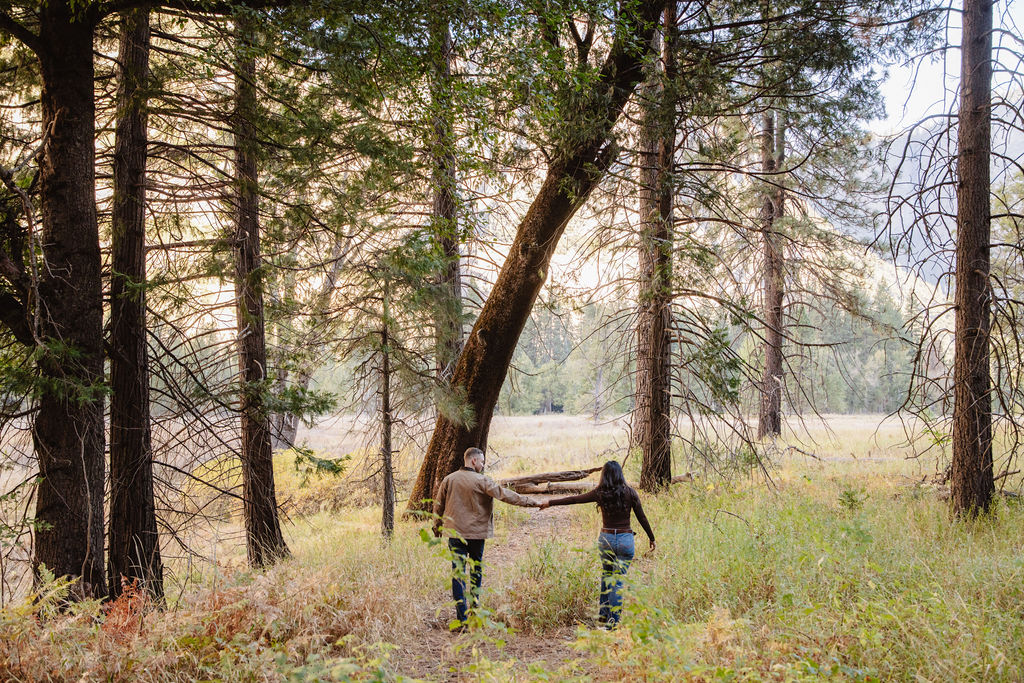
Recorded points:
(613, 493)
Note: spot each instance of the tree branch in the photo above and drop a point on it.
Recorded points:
(14, 317)
(198, 6)
(16, 29)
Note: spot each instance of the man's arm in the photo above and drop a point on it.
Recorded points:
(492, 489)
(439, 501)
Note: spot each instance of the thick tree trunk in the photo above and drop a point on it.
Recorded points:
(652, 427)
(448, 320)
(572, 174)
(387, 472)
(971, 482)
(134, 548)
(68, 428)
(264, 540)
(770, 419)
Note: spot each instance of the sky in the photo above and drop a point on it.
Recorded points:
(927, 85)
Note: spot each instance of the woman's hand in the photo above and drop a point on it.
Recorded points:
(651, 551)
(545, 505)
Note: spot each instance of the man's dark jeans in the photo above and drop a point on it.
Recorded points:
(467, 556)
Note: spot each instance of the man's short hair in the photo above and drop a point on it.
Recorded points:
(471, 453)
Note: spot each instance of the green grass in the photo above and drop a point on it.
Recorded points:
(890, 589)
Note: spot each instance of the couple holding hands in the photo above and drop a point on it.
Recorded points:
(463, 505)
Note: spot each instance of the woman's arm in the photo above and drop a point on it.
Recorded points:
(638, 510)
(588, 497)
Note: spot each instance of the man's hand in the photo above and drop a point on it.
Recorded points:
(545, 505)
(651, 551)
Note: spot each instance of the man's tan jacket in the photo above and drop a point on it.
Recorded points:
(465, 500)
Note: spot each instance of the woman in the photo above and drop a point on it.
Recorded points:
(617, 500)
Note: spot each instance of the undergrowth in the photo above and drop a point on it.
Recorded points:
(843, 570)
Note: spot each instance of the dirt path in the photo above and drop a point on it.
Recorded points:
(433, 653)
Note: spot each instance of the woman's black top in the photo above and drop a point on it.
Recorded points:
(617, 518)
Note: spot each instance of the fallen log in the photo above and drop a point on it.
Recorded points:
(553, 487)
(567, 475)
(537, 485)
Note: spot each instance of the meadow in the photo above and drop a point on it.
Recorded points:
(842, 564)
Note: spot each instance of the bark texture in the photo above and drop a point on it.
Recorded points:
(572, 174)
(769, 421)
(971, 482)
(68, 429)
(134, 549)
(264, 540)
(652, 425)
(545, 477)
(387, 472)
(448, 320)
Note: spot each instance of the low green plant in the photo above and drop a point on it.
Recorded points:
(309, 465)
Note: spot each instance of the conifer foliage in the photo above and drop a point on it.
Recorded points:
(221, 220)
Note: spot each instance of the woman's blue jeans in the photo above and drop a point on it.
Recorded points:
(617, 552)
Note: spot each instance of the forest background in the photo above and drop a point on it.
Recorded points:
(681, 223)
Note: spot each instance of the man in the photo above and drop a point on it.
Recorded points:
(463, 504)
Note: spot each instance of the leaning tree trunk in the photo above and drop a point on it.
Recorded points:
(134, 549)
(572, 174)
(448, 318)
(386, 451)
(264, 540)
(971, 482)
(770, 419)
(68, 429)
(652, 427)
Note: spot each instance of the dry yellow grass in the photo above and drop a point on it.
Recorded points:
(844, 568)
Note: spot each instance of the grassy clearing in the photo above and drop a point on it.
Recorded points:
(831, 575)
(855, 582)
(844, 569)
